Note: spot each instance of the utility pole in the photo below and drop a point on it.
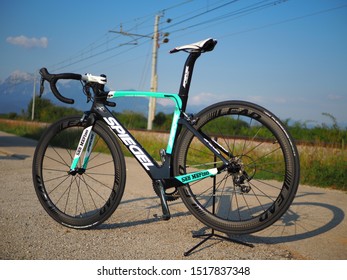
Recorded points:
(34, 95)
(154, 76)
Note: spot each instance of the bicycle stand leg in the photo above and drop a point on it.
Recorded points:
(208, 236)
(212, 234)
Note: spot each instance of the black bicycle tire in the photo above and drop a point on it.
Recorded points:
(116, 191)
(292, 169)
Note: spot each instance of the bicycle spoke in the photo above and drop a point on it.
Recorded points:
(79, 195)
(58, 185)
(253, 179)
(101, 164)
(91, 188)
(75, 198)
(67, 189)
(53, 159)
(90, 194)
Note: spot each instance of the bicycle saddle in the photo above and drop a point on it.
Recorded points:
(202, 46)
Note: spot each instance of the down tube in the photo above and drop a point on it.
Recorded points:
(134, 147)
(172, 96)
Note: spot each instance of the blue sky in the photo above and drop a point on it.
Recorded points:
(288, 56)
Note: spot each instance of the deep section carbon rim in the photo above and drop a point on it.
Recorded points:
(261, 180)
(88, 196)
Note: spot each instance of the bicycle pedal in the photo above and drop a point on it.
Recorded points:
(162, 217)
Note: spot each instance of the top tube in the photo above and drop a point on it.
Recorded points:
(129, 93)
(177, 111)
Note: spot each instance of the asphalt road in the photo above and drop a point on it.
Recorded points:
(313, 228)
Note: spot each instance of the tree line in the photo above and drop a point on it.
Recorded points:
(334, 135)
(46, 111)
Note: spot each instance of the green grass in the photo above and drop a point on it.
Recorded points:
(31, 130)
(323, 166)
(320, 166)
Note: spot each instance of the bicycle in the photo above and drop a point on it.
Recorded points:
(233, 164)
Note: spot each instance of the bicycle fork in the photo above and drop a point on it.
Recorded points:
(86, 140)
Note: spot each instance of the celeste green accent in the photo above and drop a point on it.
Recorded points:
(85, 162)
(83, 140)
(74, 163)
(129, 93)
(88, 151)
(178, 107)
(195, 176)
(173, 130)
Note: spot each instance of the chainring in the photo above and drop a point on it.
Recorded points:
(170, 196)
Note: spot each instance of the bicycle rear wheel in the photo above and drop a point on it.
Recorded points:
(85, 198)
(263, 177)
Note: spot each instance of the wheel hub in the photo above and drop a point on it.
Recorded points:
(79, 171)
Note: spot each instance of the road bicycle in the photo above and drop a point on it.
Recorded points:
(233, 164)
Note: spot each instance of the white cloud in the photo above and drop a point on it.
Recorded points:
(20, 75)
(202, 98)
(28, 42)
(166, 102)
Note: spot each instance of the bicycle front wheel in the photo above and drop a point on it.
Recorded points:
(87, 197)
(263, 174)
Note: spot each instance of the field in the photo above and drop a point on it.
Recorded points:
(321, 165)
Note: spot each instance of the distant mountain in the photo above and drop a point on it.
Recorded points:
(16, 92)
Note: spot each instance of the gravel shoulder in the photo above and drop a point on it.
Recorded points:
(313, 228)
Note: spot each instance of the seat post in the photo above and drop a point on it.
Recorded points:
(187, 77)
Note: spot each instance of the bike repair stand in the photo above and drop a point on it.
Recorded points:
(213, 234)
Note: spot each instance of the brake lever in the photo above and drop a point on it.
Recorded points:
(87, 92)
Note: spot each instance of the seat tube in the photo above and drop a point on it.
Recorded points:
(187, 77)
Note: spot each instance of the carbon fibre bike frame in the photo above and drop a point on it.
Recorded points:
(180, 118)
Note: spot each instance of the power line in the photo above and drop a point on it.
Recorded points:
(248, 9)
(202, 13)
(83, 54)
(286, 20)
(155, 37)
(214, 21)
(234, 14)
